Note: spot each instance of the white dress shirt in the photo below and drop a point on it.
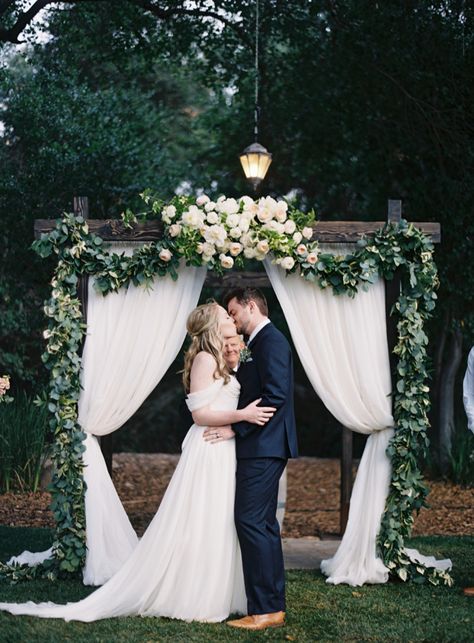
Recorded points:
(468, 390)
(257, 329)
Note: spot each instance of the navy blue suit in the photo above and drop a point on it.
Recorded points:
(262, 453)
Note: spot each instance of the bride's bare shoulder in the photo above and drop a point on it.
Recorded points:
(202, 371)
(204, 359)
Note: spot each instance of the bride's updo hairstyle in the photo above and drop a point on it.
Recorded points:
(203, 328)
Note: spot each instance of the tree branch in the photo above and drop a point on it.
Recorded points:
(164, 14)
(11, 35)
(25, 18)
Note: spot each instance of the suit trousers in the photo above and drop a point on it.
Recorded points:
(258, 530)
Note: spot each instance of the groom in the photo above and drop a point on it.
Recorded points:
(262, 454)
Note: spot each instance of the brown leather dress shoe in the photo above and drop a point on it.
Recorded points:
(469, 591)
(259, 621)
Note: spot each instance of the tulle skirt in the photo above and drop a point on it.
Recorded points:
(187, 565)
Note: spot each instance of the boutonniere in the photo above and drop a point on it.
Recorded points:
(245, 355)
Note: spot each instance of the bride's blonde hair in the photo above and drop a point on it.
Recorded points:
(203, 328)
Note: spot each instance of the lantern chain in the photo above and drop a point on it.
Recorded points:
(257, 107)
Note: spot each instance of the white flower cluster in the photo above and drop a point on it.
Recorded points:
(227, 228)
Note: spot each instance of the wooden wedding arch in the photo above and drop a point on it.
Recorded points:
(324, 232)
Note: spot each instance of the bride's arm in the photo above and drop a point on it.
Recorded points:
(202, 376)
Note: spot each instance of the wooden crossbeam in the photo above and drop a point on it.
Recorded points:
(324, 231)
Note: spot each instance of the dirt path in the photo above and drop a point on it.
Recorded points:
(312, 507)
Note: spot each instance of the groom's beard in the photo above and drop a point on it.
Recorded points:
(242, 328)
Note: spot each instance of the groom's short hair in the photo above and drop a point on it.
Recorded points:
(244, 295)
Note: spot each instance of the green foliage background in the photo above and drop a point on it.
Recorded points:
(360, 102)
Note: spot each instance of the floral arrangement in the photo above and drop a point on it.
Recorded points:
(221, 235)
(4, 387)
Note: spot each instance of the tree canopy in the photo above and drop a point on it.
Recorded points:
(360, 102)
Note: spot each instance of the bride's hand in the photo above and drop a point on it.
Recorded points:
(215, 434)
(257, 414)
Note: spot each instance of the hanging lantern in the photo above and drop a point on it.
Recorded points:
(255, 160)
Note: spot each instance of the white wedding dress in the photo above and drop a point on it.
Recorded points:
(187, 565)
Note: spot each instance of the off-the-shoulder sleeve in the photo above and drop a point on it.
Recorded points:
(199, 399)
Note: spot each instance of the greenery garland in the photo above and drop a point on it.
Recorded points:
(400, 248)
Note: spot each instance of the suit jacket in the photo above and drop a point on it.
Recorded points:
(269, 375)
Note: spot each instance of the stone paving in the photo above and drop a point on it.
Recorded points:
(307, 553)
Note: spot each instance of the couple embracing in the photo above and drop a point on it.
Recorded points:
(214, 548)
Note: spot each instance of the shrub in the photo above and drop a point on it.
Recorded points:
(23, 449)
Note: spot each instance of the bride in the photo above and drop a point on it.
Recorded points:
(187, 565)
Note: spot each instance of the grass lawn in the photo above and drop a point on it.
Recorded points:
(316, 611)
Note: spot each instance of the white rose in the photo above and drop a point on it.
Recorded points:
(247, 240)
(230, 206)
(263, 247)
(199, 248)
(201, 200)
(264, 214)
(208, 249)
(290, 226)
(287, 263)
(210, 205)
(165, 255)
(170, 211)
(297, 237)
(226, 261)
(268, 202)
(312, 258)
(174, 230)
(272, 225)
(191, 218)
(302, 250)
(307, 233)
(235, 233)
(233, 220)
(206, 258)
(280, 211)
(212, 217)
(251, 209)
(235, 248)
(247, 201)
(221, 198)
(249, 253)
(244, 224)
(215, 234)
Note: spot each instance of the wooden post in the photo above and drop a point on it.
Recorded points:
(81, 206)
(392, 292)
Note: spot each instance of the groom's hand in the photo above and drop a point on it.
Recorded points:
(215, 434)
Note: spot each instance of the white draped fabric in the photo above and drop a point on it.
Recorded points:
(133, 336)
(342, 345)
